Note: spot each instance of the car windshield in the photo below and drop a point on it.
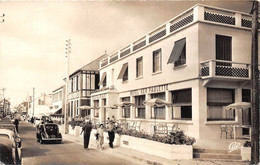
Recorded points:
(51, 129)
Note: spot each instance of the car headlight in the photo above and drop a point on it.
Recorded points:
(17, 139)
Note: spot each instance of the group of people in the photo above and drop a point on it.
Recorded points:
(99, 134)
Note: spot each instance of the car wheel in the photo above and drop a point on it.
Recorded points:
(41, 141)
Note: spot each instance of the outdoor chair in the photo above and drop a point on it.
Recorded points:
(161, 129)
(131, 125)
(172, 128)
(226, 129)
(138, 126)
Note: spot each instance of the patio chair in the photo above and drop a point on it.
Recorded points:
(161, 129)
(226, 129)
(138, 126)
(172, 128)
(131, 125)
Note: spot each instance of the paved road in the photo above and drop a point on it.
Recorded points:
(68, 152)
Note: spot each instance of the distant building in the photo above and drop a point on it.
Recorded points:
(57, 108)
(199, 62)
(82, 83)
(40, 105)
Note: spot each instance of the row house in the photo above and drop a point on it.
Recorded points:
(82, 83)
(199, 61)
(57, 107)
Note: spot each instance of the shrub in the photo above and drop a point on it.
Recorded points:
(178, 137)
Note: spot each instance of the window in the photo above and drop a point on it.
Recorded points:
(223, 49)
(124, 72)
(77, 83)
(158, 112)
(126, 109)
(182, 105)
(246, 113)
(157, 60)
(96, 108)
(140, 107)
(139, 67)
(217, 99)
(178, 54)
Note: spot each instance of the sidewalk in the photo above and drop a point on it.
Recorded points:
(146, 158)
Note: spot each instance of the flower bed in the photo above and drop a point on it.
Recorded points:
(174, 146)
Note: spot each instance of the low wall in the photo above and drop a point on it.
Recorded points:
(167, 151)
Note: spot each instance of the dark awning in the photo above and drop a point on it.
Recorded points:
(122, 72)
(176, 51)
(102, 78)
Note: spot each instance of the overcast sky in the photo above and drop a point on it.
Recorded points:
(32, 37)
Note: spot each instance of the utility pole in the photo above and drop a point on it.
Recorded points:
(4, 113)
(33, 103)
(255, 87)
(68, 51)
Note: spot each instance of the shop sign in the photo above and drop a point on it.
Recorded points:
(99, 96)
(154, 89)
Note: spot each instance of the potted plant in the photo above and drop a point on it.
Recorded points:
(246, 151)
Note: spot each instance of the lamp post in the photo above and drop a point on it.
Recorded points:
(68, 51)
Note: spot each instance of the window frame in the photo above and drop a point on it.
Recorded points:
(157, 52)
(139, 69)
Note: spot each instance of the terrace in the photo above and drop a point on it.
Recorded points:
(198, 13)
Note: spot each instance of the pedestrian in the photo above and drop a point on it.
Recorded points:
(100, 137)
(111, 133)
(87, 130)
(16, 123)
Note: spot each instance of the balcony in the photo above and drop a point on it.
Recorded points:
(219, 69)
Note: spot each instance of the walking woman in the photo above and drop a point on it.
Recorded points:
(87, 130)
(100, 137)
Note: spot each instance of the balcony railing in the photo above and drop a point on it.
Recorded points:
(224, 69)
(198, 13)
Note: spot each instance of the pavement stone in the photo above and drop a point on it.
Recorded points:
(148, 159)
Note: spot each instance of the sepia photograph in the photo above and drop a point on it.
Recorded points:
(129, 82)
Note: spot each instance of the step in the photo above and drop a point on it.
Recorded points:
(217, 156)
(198, 150)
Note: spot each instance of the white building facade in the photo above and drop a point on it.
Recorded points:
(199, 61)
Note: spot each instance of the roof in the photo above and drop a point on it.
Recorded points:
(92, 66)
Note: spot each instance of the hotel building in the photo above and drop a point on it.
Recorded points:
(199, 61)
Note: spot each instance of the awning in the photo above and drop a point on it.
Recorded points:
(176, 51)
(85, 107)
(122, 72)
(102, 78)
(53, 111)
(238, 105)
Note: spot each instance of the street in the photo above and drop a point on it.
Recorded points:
(68, 152)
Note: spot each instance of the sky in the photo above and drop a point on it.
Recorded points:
(33, 35)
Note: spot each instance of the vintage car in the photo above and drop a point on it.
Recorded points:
(10, 145)
(48, 132)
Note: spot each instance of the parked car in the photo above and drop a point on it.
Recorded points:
(10, 145)
(48, 132)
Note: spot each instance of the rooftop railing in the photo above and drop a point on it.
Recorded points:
(198, 13)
